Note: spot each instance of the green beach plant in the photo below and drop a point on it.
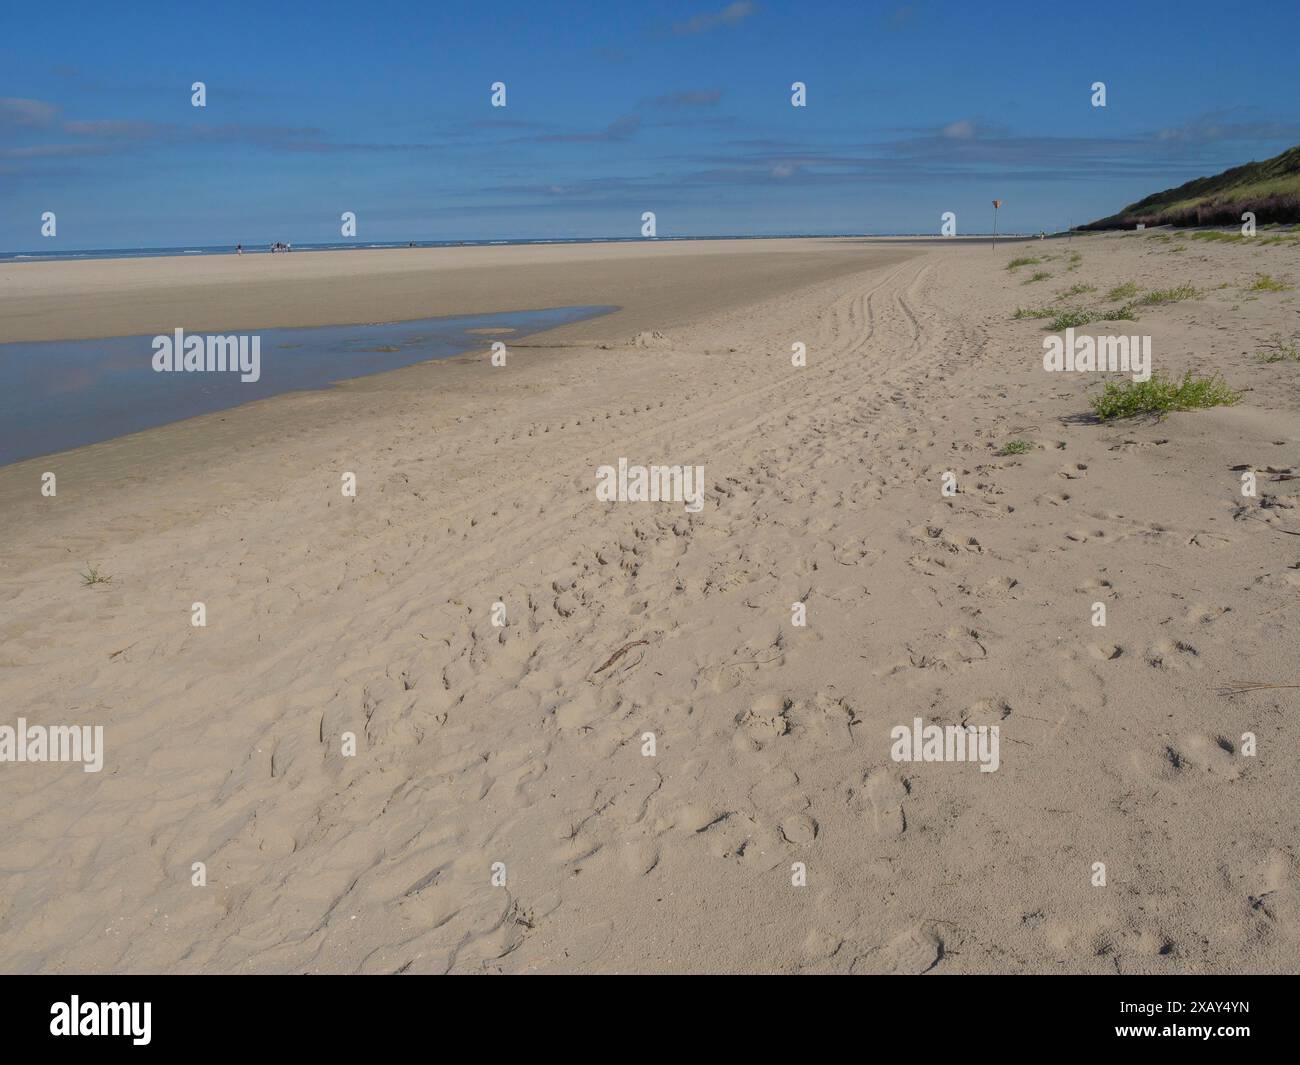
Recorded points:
(1161, 394)
(1077, 290)
(1168, 295)
(1265, 283)
(1278, 350)
(93, 576)
(1078, 316)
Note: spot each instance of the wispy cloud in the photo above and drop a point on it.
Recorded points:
(731, 15)
(54, 151)
(15, 111)
(901, 17)
(115, 128)
(618, 130)
(1231, 124)
(688, 98)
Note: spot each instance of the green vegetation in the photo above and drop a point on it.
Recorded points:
(93, 576)
(1076, 290)
(1161, 395)
(1024, 260)
(1079, 316)
(1264, 283)
(1125, 291)
(1039, 275)
(1270, 189)
(1016, 447)
(1168, 295)
(1278, 350)
(1084, 315)
(1033, 312)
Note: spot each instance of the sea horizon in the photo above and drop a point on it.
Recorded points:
(178, 250)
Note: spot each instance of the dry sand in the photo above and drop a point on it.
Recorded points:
(479, 744)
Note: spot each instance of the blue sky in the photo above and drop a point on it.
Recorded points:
(681, 108)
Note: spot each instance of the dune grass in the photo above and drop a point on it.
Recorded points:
(1038, 275)
(1077, 290)
(1168, 295)
(1023, 260)
(1085, 315)
(93, 576)
(1073, 318)
(1032, 312)
(1016, 447)
(1125, 291)
(1161, 395)
(1275, 349)
(1269, 188)
(1265, 283)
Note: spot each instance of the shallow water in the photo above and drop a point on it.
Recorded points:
(62, 394)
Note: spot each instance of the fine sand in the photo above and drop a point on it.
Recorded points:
(523, 744)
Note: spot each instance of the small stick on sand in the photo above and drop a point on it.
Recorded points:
(1240, 687)
(620, 653)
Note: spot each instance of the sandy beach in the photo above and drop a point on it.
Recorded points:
(501, 812)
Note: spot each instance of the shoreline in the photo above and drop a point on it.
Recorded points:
(129, 254)
(102, 298)
(108, 388)
(318, 290)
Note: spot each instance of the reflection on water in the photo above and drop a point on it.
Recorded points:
(60, 394)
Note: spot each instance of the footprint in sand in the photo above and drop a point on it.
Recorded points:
(914, 951)
(799, 830)
(827, 719)
(1271, 889)
(1105, 652)
(762, 723)
(1216, 755)
(640, 857)
(999, 586)
(986, 712)
(1172, 655)
(886, 791)
(1205, 613)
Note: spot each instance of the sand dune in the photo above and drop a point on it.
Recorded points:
(523, 744)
